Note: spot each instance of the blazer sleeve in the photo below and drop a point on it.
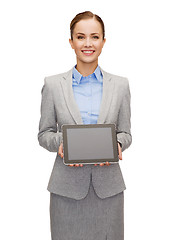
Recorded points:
(49, 137)
(124, 124)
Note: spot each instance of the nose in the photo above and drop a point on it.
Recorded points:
(88, 42)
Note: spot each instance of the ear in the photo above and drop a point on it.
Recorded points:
(71, 43)
(104, 40)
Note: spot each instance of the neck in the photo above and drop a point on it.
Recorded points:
(86, 68)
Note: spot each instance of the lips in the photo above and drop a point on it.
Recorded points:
(88, 52)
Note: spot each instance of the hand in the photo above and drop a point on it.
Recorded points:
(75, 165)
(60, 150)
(60, 153)
(103, 164)
(119, 152)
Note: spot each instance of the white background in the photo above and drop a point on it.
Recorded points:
(140, 46)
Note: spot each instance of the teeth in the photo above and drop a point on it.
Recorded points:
(87, 51)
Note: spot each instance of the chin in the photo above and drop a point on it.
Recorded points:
(89, 60)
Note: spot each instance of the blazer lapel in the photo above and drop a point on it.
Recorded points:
(108, 88)
(69, 97)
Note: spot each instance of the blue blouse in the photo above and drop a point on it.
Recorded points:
(88, 94)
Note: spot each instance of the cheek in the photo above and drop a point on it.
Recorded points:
(78, 45)
(98, 46)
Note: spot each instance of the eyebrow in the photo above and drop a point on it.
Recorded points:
(85, 34)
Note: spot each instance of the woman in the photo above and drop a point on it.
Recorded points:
(86, 201)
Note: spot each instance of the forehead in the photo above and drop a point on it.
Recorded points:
(88, 26)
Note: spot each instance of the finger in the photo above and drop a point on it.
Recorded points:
(60, 150)
(120, 156)
(107, 163)
(71, 165)
(119, 152)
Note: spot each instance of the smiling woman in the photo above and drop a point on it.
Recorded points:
(87, 40)
(86, 202)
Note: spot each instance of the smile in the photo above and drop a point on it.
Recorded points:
(88, 52)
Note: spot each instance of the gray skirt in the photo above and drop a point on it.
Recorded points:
(91, 218)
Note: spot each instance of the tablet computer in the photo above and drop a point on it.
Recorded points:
(89, 143)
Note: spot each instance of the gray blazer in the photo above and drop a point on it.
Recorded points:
(59, 107)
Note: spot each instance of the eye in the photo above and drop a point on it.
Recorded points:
(96, 37)
(80, 37)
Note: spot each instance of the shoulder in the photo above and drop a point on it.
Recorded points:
(119, 80)
(55, 79)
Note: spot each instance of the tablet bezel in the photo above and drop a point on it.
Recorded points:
(89, 161)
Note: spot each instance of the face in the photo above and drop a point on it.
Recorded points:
(87, 41)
